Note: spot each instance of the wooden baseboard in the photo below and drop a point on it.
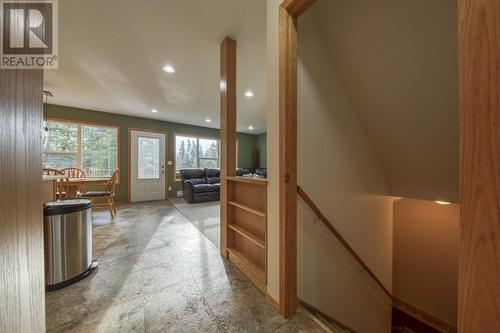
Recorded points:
(313, 310)
(424, 317)
(273, 302)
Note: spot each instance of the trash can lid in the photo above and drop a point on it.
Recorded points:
(61, 207)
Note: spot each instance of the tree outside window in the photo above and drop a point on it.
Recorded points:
(194, 152)
(91, 148)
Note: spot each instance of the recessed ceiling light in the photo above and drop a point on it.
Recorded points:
(208, 120)
(250, 127)
(248, 93)
(442, 202)
(222, 85)
(169, 69)
(154, 111)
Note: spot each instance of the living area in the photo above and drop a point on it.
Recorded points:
(191, 160)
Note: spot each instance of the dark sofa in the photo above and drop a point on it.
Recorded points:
(201, 185)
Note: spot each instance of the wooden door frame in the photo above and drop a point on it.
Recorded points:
(479, 61)
(289, 11)
(228, 134)
(479, 85)
(129, 158)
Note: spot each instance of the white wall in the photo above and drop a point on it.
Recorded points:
(273, 149)
(398, 60)
(339, 170)
(426, 241)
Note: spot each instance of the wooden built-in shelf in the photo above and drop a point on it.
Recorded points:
(248, 235)
(247, 208)
(246, 227)
(258, 181)
(250, 269)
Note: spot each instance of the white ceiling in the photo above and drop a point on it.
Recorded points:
(399, 62)
(111, 55)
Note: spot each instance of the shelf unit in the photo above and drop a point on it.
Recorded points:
(247, 227)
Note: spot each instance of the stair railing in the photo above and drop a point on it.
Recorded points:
(424, 317)
(342, 240)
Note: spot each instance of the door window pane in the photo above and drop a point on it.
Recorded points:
(148, 155)
(99, 150)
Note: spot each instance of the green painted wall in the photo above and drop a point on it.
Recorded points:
(247, 143)
(262, 150)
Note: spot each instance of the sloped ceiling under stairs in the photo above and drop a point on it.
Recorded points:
(399, 61)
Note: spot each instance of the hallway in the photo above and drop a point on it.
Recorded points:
(158, 273)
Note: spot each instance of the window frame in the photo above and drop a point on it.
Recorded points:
(81, 123)
(197, 137)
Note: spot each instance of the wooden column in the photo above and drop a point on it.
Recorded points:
(227, 129)
(289, 11)
(22, 289)
(288, 162)
(479, 268)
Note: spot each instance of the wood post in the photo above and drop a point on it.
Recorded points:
(479, 268)
(288, 13)
(288, 163)
(22, 308)
(227, 129)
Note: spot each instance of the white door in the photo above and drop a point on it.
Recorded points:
(148, 175)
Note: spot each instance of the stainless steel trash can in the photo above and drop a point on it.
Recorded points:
(67, 229)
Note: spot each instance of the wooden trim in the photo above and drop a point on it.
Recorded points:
(479, 88)
(248, 209)
(297, 7)
(82, 122)
(341, 239)
(258, 181)
(22, 305)
(227, 131)
(254, 273)
(288, 162)
(248, 235)
(129, 158)
(273, 302)
(288, 13)
(314, 311)
(424, 317)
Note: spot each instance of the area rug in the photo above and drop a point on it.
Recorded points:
(205, 216)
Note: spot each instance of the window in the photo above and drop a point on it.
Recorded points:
(92, 148)
(193, 152)
(148, 158)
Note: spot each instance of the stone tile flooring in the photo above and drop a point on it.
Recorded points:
(158, 273)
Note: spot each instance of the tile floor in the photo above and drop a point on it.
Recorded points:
(205, 216)
(158, 273)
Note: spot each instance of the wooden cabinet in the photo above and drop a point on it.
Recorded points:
(247, 227)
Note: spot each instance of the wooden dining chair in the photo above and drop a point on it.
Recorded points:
(60, 187)
(74, 173)
(107, 195)
(52, 172)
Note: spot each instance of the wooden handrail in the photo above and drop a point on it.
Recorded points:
(341, 239)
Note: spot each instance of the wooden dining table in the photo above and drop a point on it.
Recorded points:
(71, 185)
